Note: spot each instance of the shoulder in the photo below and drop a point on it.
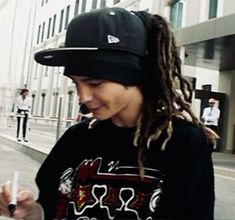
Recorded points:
(188, 135)
(184, 127)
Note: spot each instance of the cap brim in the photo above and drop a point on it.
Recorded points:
(59, 56)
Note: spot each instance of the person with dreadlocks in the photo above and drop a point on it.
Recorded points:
(144, 154)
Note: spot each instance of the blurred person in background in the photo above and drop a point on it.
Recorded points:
(211, 115)
(23, 105)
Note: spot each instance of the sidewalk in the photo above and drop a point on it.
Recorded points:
(224, 164)
(42, 138)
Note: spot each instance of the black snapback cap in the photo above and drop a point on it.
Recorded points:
(98, 40)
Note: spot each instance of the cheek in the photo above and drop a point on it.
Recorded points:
(116, 99)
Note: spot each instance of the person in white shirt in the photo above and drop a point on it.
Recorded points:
(211, 115)
(23, 106)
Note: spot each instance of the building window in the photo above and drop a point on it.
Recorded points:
(94, 4)
(83, 5)
(36, 71)
(67, 17)
(42, 103)
(45, 71)
(102, 3)
(206, 87)
(53, 25)
(33, 102)
(39, 32)
(213, 9)
(55, 97)
(61, 20)
(43, 28)
(70, 107)
(49, 28)
(176, 13)
(116, 2)
(76, 7)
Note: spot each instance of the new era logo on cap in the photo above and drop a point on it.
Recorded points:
(112, 39)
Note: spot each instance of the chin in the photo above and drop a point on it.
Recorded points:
(101, 117)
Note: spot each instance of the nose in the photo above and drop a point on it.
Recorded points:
(85, 94)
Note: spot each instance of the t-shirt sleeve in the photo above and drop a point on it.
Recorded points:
(48, 176)
(200, 196)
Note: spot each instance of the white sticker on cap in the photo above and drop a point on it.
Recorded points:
(112, 39)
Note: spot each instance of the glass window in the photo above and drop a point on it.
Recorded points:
(36, 71)
(70, 107)
(49, 28)
(55, 97)
(176, 12)
(61, 20)
(207, 87)
(83, 5)
(102, 3)
(39, 32)
(76, 7)
(53, 25)
(213, 8)
(45, 71)
(33, 102)
(43, 103)
(67, 17)
(116, 1)
(43, 28)
(94, 3)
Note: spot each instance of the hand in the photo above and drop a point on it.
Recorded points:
(26, 207)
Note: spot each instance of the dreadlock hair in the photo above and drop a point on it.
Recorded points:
(162, 98)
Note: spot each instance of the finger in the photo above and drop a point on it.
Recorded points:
(6, 192)
(24, 195)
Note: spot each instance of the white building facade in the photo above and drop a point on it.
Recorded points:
(201, 51)
(15, 44)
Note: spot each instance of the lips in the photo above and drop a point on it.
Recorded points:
(94, 109)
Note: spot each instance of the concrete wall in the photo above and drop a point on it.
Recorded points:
(226, 85)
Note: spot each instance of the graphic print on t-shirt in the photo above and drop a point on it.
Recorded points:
(108, 190)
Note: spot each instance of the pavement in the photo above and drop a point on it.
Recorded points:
(42, 138)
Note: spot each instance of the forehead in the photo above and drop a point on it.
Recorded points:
(82, 78)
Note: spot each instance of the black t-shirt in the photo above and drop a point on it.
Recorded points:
(93, 174)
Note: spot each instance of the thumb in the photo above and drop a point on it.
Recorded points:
(24, 195)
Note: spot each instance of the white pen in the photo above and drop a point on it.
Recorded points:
(14, 190)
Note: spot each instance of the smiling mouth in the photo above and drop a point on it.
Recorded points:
(93, 110)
